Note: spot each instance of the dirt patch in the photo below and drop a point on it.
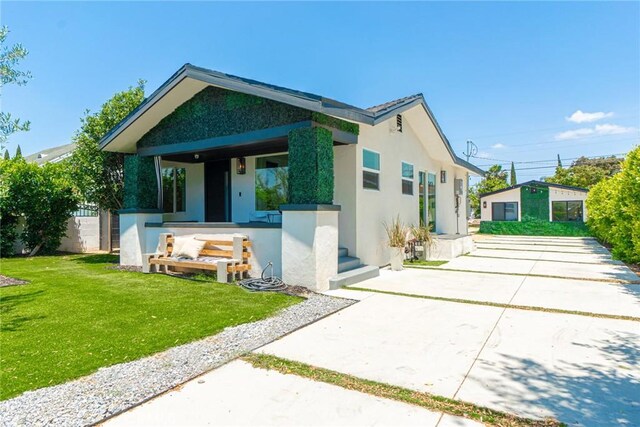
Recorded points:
(10, 281)
(134, 268)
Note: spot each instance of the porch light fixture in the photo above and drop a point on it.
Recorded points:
(484, 204)
(443, 177)
(241, 166)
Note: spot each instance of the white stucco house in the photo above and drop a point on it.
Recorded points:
(308, 179)
(535, 199)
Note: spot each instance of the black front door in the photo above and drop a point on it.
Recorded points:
(217, 189)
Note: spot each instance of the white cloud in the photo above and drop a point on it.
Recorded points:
(604, 129)
(573, 134)
(608, 129)
(498, 145)
(582, 117)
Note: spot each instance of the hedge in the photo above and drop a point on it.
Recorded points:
(614, 210)
(535, 227)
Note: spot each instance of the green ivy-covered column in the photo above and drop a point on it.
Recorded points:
(140, 183)
(310, 166)
(140, 207)
(310, 220)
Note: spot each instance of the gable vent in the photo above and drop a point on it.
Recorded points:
(399, 122)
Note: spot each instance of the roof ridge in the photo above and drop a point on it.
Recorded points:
(389, 104)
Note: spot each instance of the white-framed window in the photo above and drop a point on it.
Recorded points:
(370, 170)
(174, 190)
(407, 178)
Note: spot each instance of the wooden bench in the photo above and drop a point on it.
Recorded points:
(223, 253)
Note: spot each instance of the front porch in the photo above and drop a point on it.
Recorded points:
(273, 184)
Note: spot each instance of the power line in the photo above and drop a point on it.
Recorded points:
(508, 162)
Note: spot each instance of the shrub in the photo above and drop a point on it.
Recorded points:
(44, 196)
(614, 209)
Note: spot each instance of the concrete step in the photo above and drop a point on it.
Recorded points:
(343, 252)
(354, 276)
(346, 263)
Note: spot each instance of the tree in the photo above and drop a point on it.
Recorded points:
(7, 156)
(99, 174)
(559, 161)
(512, 176)
(10, 57)
(44, 196)
(18, 153)
(585, 172)
(494, 179)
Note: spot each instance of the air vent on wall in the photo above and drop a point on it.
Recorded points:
(399, 122)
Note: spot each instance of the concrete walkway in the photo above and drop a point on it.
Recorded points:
(238, 394)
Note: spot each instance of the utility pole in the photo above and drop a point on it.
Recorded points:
(472, 150)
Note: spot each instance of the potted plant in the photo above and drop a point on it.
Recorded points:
(422, 242)
(397, 235)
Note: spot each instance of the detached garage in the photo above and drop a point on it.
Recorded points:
(535, 200)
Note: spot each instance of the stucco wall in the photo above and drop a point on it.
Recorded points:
(558, 194)
(505, 196)
(346, 182)
(83, 234)
(375, 207)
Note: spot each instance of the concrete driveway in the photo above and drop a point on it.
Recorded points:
(579, 368)
(493, 333)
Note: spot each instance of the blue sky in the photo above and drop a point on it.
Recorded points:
(508, 76)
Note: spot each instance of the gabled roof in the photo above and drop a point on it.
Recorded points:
(201, 77)
(51, 155)
(534, 182)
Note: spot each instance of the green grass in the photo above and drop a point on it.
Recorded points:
(428, 263)
(535, 228)
(426, 400)
(75, 316)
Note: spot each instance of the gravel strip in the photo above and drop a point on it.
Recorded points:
(116, 388)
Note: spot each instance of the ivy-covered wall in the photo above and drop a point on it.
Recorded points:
(215, 112)
(140, 183)
(535, 202)
(310, 166)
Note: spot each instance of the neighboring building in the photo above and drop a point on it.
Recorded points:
(89, 229)
(535, 199)
(300, 174)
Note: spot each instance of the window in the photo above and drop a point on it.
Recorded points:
(431, 200)
(272, 182)
(504, 211)
(370, 170)
(407, 178)
(174, 185)
(566, 211)
(86, 210)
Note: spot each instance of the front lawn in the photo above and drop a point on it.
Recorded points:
(76, 315)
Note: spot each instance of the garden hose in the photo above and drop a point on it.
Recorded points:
(264, 284)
